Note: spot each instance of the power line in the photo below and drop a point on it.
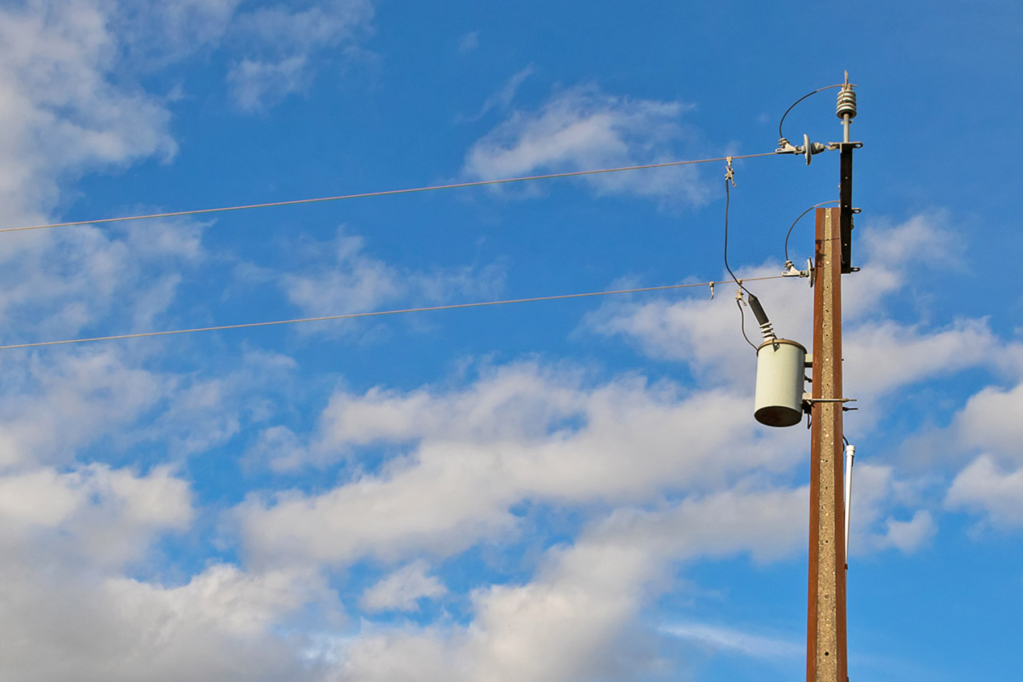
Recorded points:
(363, 195)
(794, 222)
(809, 94)
(728, 202)
(738, 299)
(378, 313)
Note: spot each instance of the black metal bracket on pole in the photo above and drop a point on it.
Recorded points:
(845, 203)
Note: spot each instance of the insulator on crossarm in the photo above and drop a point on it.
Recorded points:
(846, 103)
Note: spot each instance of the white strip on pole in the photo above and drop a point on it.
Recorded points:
(850, 455)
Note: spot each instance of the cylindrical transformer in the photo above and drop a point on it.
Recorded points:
(781, 367)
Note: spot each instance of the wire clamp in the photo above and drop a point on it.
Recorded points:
(786, 147)
(729, 171)
(711, 291)
(791, 271)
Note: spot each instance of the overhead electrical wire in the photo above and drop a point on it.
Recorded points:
(294, 202)
(742, 323)
(738, 299)
(793, 226)
(378, 313)
(728, 201)
(391, 192)
(809, 94)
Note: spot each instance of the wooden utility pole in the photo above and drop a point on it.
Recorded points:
(826, 654)
(826, 646)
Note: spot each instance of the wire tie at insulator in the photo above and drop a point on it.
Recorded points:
(785, 147)
(729, 171)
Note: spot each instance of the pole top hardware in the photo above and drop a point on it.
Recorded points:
(808, 149)
(791, 271)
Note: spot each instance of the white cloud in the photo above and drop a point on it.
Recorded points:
(257, 84)
(70, 108)
(984, 487)
(909, 536)
(47, 410)
(60, 624)
(62, 111)
(353, 281)
(888, 355)
(893, 254)
(203, 412)
(992, 420)
(706, 334)
(55, 405)
(279, 448)
(109, 516)
(402, 590)
(877, 494)
(519, 433)
(881, 355)
(157, 34)
(583, 128)
(410, 655)
(275, 51)
(565, 625)
(58, 285)
(281, 43)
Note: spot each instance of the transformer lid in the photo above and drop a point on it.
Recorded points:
(771, 342)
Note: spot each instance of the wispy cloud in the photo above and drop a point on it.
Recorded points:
(348, 279)
(279, 45)
(730, 640)
(469, 42)
(402, 590)
(582, 127)
(503, 98)
(985, 487)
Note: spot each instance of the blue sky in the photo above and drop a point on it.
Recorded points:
(560, 491)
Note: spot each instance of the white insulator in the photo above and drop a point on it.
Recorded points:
(767, 331)
(846, 103)
(781, 367)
